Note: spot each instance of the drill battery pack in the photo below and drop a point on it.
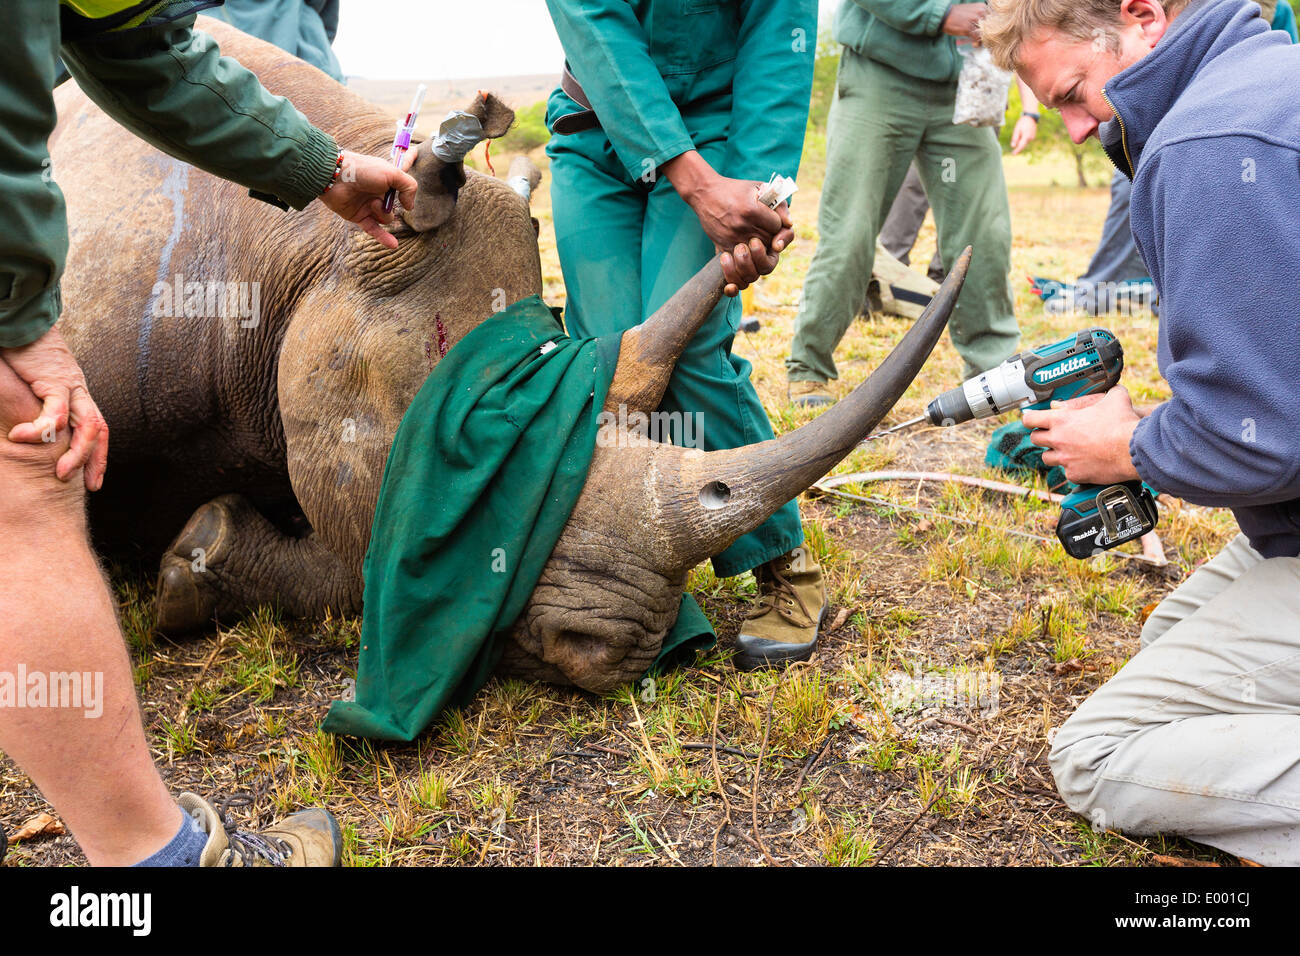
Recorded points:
(1096, 518)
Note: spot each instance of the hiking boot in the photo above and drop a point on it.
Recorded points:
(784, 624)
(810, 394)
(306, 838)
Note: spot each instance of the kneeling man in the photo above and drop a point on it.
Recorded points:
(1199, 734)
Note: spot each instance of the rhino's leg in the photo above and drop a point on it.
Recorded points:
(229, 559)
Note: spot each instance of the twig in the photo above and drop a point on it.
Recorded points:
(717, 772)
(656, 765)
(758, 768)
(717, 748)
(827, 488)
(1060, 858)
(812, 761)
(939, 791)
(573, 753)
(185, 706)
(870, 477)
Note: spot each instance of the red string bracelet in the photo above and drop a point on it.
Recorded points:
(338, 171)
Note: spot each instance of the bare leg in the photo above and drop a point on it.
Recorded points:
(56, 615)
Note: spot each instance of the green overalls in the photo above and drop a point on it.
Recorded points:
(143, 66)
(659, 76)
(894, 97)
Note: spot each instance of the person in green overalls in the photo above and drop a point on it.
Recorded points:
(144, 66)
(670, 115)
(305, 28)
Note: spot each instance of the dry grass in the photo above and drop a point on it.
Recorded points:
(880, 750)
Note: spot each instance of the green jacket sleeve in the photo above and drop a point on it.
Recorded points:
(172, 87)
(33, 221)
(777, 49)
(909, 16)
(608, 54)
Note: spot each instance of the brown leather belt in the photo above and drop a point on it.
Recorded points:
(585, 118)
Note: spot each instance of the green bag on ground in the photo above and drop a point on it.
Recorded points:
(484, 471)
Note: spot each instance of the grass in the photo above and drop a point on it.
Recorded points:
(528, 773)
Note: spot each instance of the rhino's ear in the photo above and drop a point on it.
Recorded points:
(439, 166)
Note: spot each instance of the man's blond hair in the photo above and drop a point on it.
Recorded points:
(1011, 22)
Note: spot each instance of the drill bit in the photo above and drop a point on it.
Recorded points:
(897, 428)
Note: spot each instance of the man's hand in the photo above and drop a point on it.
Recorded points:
(358, 194)
(731, 214)
(742, 266)
(1024, 133)
(53, 375)
(963, 20)
(1088, 436)
(729, 210)
(748, 234)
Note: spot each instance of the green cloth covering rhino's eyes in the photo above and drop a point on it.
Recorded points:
(484, 471)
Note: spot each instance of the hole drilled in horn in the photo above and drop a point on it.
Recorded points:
(715, 495)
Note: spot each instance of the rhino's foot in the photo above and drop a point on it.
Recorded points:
(189, 588)
(229, 559)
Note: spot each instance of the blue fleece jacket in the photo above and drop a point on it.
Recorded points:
(1212, 139)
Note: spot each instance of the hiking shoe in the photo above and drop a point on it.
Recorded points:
(784, 624)
(306, 838)
(810, 394)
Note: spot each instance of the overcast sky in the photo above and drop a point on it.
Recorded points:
(440, 39)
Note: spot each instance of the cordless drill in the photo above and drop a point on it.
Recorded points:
(1093, 517)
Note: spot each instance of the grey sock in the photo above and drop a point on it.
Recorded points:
(185, 847)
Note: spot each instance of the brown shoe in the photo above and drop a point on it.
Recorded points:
(784, 624)
(810, 394)
(306, 838)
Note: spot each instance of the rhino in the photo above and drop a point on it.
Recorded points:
(248, 447)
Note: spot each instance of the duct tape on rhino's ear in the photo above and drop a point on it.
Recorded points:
(439, 166)
(439, 185)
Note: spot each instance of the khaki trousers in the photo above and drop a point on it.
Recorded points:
(1199, 734)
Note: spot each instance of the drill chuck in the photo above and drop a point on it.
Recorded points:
(994, 392)
(950, 408)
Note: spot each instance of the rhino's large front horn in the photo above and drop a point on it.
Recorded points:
(706, 500)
